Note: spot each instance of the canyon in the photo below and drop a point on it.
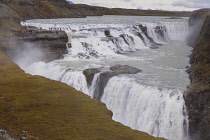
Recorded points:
(24, 107)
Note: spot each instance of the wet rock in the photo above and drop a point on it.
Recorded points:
(124, 69)
(117, 41)
(107, 33)
(140, 36)
(89, 75)
(90, 51)
(105, 76)
(102, 82)
(153, 47)
(143, 28)
(187, 67)
(160, 31)
(127, 39)
(153, 44)
(51, 43)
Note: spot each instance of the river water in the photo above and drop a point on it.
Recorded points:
(150, 101)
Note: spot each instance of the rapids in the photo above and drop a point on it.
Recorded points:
(150, 101)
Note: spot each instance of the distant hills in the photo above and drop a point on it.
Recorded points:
(70, 2)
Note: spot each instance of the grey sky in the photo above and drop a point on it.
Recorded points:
(172, 5)
(193, 3)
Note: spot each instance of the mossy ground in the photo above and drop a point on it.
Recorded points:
(51, 8)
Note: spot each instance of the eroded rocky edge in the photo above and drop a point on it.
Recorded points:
(105, 76)
(197, 96)
(51, 42)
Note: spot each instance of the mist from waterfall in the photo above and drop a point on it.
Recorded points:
(150, 101)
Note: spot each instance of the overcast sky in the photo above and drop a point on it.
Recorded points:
(172, 5)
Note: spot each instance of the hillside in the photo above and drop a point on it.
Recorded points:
(30, 9)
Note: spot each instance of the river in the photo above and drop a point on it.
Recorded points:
(151, 100)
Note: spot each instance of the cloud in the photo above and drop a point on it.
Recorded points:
(172, 5)
(193, 3)
(127, 0)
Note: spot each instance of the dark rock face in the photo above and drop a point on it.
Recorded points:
(127, 39)
(107, 33)
(197, 97)
(140, 36)
(160, 30)
(89, 75)
(51, 43)
(124, 69)
(153, 44)
(115, 40)
(105, 76)
(102, 82)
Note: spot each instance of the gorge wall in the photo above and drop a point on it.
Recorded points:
(198, 95)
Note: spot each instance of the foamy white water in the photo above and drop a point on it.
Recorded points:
(146, 108)
(151, 101)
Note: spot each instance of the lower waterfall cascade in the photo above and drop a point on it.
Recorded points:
(150, 100)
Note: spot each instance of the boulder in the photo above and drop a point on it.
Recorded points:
(105, 76)
(127, 39)
(107, 33)
(89, 75)
(124, 69)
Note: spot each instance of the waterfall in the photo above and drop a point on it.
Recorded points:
(93, 87)
(157, 110)
(54, 71)
(90, 42)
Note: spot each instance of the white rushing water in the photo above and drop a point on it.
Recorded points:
(150, 101)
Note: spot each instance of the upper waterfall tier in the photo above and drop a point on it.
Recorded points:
(107, 38)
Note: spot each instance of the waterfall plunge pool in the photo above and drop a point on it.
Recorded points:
(150, 101)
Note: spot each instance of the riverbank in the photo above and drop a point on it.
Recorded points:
(197, 96)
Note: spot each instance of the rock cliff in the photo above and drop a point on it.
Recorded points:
(105, 75)
(197, 96)
(52, 43)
